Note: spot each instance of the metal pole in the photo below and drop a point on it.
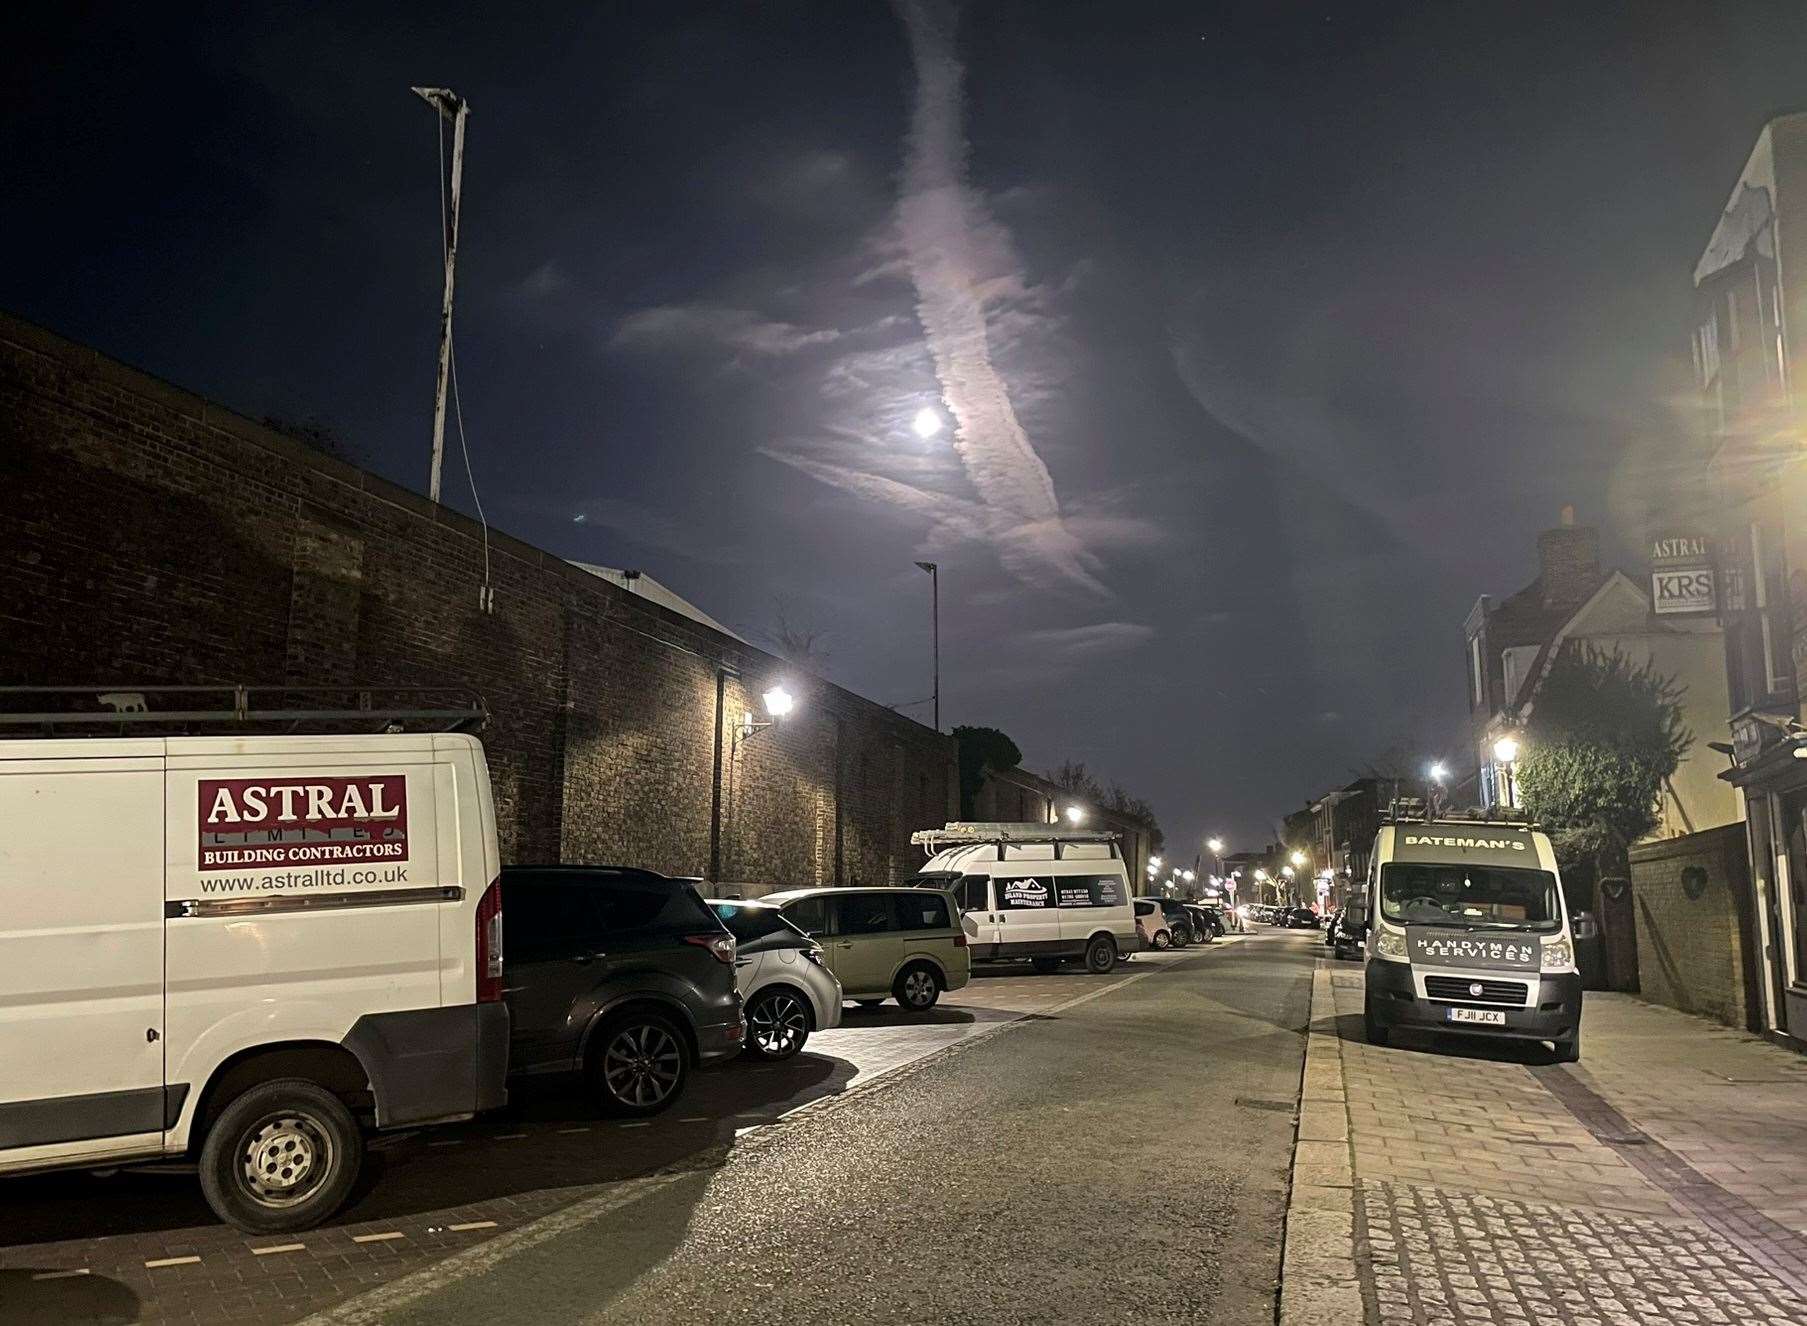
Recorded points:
(934, 570)
(935, 610)
(452, 107)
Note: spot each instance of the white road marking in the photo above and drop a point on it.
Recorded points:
(509, 1137)
(276, 1248)
(378, 1238)
(170, 1261)
(61, 1275)
(574, 1130)
(469, 1225)
(644, 1123)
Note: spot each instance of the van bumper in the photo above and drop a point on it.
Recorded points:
(1393, 1002)
(426, 1064)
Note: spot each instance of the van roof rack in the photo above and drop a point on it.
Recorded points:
(1412, 810)
(971, 832)
(141, 710)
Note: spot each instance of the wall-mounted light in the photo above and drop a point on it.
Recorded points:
(1074, 815)
(778, 702)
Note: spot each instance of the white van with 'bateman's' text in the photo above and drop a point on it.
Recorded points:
(245, 949)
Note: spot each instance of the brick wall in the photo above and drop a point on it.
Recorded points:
(1692, 900)
(152, 537)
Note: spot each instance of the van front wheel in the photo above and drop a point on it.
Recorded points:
(1569, 1051)
(1371, 1027)
(280, 1158)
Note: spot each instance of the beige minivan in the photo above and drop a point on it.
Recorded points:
(905, 944)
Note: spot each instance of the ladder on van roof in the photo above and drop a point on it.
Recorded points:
(969, 833)
(140, 710)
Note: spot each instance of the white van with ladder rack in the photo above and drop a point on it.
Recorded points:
(1034, 891)
(243, 925)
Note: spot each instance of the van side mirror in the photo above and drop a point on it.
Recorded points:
(1584, 926)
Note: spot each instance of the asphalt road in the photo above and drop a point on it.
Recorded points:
(1123, 1159)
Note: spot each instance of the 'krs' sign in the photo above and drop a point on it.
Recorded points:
(1682, 591)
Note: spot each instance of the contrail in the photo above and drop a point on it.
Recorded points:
(945, 231)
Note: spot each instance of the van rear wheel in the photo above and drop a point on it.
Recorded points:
(281, 1157)
(1101, 956)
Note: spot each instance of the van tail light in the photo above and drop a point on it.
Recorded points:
(489, 944)
(721, 945)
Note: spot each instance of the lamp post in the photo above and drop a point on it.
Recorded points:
(934, 570)
(1505, 754)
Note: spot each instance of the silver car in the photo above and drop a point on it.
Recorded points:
(787, 990)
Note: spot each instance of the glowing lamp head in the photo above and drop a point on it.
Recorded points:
(1439, 771)
(1505, 750)
(926, 424)
(1216, 845)
(1074, 815)
(1297, 858)
(779, 702)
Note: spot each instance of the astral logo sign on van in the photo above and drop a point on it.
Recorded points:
(294, 822)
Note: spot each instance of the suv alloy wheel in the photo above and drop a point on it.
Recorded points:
(638, 1064)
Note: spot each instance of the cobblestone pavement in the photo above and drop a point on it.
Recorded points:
(1438, 1258)
(1661, 1180)
(143, 1247)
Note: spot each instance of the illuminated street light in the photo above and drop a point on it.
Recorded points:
(1216, 846)
(1188, 875)
(926, 423)
(1287, 871)
(779, 702)
(1439, 771)
(1297, 858)
(1074, 815)
(1261, 875)
(1505, 750)
(1154, 863)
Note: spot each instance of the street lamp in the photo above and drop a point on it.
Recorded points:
(1287, 871)
(778, 702)
(1505, 753)
(933, 569)
(1154, 863)
(1438, 772)
(1074, 815)
(1297, 858)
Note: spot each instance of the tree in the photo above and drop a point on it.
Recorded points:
(982, 749)
(794, 640)
(1602, 736)
(1074, 777)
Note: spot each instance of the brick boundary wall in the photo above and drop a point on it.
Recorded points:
(1695, 953)
(152, 537)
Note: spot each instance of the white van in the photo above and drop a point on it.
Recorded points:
(1034, 891)
(1469, 932)
(245, 949)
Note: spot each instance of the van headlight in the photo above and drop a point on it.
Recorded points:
(1389, 944)
(1558, 955)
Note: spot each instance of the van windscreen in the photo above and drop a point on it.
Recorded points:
(1469, 896)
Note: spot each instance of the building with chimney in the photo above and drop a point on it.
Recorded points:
(1510, 646)
(1750, 287)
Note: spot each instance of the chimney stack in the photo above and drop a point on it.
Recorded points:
(1568, 560)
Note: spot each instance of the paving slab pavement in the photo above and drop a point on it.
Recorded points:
(1663, 1179)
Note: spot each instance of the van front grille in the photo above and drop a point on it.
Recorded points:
(1462, 990)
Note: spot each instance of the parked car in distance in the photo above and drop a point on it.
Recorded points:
(620, 974)
(1151, 924)
(1299, 918)
(785, 985)
(245, 950)
(905, 944)
(1207, 922)
(1350, 931)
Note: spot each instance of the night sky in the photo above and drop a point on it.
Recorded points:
(1273, 333)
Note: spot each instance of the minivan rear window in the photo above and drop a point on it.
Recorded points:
(927, 912)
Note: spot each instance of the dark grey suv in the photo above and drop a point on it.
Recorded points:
(623, 975)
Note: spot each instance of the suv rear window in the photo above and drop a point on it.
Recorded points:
(750, 921)
(928, 912)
